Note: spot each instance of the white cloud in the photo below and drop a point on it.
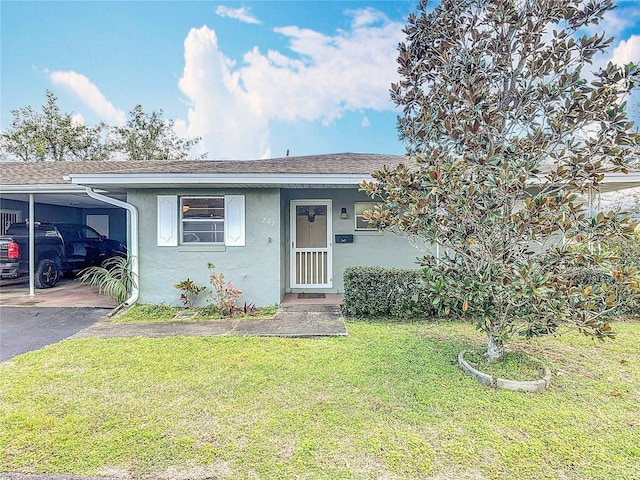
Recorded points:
(90, 95)
(319, 79)
(366, 16)
(627, 51)
(241, 14)
(78, 119)
(614, 22)
(365, 122)
(221, 111)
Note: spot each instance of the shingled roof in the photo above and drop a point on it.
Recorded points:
(51, 173)
(346, 169)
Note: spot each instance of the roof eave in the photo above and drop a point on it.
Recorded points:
(150, 180)
(612, 181)
(43, 188)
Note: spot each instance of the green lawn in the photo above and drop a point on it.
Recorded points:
(141, 313)
(387, 402)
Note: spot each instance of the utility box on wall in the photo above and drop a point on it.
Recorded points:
(344, 238)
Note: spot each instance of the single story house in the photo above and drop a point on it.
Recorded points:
(271, 226)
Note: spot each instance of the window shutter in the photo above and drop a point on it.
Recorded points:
(234, 220)
(167, 221)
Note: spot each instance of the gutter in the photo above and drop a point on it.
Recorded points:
(222, 179)
(42, 188)
(133, 255)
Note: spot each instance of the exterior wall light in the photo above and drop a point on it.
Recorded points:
(343, 213)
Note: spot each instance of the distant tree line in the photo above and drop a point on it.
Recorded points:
(51, 135)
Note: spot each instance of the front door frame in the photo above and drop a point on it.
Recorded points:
(294, 249)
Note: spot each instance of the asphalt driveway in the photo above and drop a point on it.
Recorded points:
(23, 329)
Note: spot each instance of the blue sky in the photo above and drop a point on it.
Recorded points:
(252, 78)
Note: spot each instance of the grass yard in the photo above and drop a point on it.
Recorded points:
(387, 402)
(141, 313)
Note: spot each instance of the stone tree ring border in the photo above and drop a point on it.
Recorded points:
(496, 382)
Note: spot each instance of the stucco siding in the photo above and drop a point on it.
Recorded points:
(369, 248)
(261, 269)
(254, 268)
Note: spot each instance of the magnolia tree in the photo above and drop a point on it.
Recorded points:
(506, 129)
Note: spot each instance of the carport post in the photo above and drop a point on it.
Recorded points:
(32, 245)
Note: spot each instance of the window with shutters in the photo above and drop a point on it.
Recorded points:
(202, 219)
(217, 221)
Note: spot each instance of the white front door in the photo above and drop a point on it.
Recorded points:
(311, 244)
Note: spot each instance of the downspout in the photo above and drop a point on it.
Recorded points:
(133, 248)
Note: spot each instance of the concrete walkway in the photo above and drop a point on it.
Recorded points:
(289, 321)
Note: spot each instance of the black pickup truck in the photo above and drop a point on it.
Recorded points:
(60, 248)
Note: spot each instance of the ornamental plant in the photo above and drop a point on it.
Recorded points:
(506, 129)
(224, 293)
(114, 278)
(190, 292)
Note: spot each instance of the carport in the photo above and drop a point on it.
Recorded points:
(67, 293)
(39, 191)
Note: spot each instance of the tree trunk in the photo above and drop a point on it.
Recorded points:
(495, 348)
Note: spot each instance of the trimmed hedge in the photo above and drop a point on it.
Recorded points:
(384, 292)
(591, 276)
(627, 303)
(398, 293)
